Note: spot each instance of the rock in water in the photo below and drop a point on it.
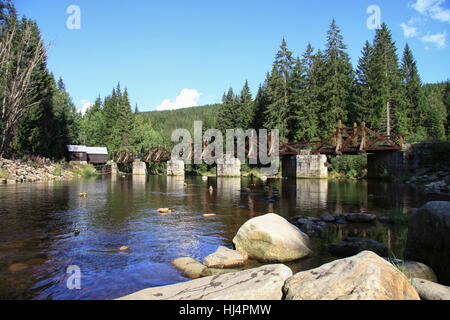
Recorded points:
(17, 267)
(428, 239)
(190, 267)
(224, 258)
(360, 217)
(414, 269)
(352, 245)
(271, 238)
(431, 291)
(263, 283)
(365, 276)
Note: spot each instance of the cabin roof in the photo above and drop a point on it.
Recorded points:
(88, 150)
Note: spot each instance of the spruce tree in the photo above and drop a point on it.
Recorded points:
(337, 90)
(361, 108)
(245, 113)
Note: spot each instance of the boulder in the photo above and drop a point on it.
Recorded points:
(190, 267)
(207, 272)
(428, 290)
(263, 283)
(414, 269)
(428, 239)
(327, 217)
(271, 238)
(365, 276)
(360, 217)
(352, 245)
(224, 258)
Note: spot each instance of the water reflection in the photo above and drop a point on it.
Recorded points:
(38, 243)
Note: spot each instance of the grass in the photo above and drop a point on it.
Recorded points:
(57, 172)
(83, 170)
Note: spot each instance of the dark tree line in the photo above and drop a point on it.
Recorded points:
(305, 96)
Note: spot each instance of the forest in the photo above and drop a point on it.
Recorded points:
(303, 96)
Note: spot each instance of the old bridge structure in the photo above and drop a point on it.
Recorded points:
(300, 160)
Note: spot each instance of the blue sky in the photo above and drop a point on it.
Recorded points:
(174, 54)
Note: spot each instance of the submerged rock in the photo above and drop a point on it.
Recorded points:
(428, 290)
(190, 267)
(428, 239)
(352, 245)
(224, 258)
(17, 267)
(263, 283)
(271, 238)
(365, 276)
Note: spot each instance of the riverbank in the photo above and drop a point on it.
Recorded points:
(23, 171)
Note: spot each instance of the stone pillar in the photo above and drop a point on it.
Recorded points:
(228, 167)
(386, 163)
(305, 165)
(139, 168)
(114, 168)
(175, 168)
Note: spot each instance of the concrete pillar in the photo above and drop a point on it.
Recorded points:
(386, 163)
(175, 168)
(228, 167)
(305, 165)
(139, 168)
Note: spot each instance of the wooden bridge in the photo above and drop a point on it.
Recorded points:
(352, 140)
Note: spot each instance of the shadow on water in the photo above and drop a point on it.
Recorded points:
(38, 242)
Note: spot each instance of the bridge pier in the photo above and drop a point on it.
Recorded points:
(114, 168)
(228, 167)
(389, 162)
(305, 166)
(139, 168)
(175, 168)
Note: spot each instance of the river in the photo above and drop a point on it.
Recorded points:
(38, 242)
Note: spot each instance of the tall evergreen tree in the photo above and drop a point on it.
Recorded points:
(245, 112)
(361, 108)
(337, 90)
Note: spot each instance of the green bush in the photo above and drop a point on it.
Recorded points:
(4, 174)
(57, 171)
(349, 166)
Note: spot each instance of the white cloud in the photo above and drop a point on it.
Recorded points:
(438, 39)
(187, 98)
(85, 105)
(409, 31)
(433, 9)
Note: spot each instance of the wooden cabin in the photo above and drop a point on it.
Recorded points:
(97, 155)
(83, 154)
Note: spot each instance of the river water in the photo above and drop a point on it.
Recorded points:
(38, 243)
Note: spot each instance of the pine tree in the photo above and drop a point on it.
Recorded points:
(415, 95)
(278, 90)
(245, 112)
(227, 112)
(337, 90)
(260, 106)
(361, 109)
(387, 90)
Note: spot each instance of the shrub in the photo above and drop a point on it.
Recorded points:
(4, 174)
(57, 171)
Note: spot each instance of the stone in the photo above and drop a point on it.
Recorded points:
(429, 290)
(327, 217)
(428, 239)
(209, 215)
(139, 168)
(123, 248)
(271, 238)
(190, 267)
(365, 276)
(208, 272)
(17, 267)
(164, 210)
(360, 217)
(414, 269)
(224, 258)
(263, 283)
(228, 167)
(352, 245)
(175, 168)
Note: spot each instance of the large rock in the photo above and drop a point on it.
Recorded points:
(263, 283)
(190, 267)
(352, 245)
(271, 238)
(365, 276)
(428, 238)
(428, 290)
(414, 269)
(225, 258)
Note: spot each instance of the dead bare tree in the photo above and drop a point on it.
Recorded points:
(19, 58)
